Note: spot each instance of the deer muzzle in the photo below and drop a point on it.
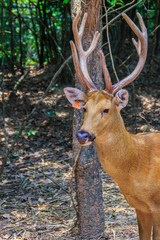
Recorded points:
(85, 138)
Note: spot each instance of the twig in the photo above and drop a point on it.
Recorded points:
(71, 180)
(19, 81)
(126, 60)
(17, 222)
(114, 233)
(117, 9)
(109, 45)
(155, 30)
(24, 123)
(134, 51)
(58, 185)
(106, 27)
(119, 15)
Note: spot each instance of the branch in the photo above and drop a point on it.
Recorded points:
(3, 113)
(71, 180)
(109, 45)
(119, 15)
(116, 10)
(19, 81)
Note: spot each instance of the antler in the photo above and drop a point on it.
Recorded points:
(141, 47)
(81, 63)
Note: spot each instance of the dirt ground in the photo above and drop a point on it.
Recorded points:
(34, 189)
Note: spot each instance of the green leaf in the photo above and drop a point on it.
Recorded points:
(65, 1)
(115, 2)
(31, 132)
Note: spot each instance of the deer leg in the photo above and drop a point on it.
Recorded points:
(145, 224)
(156, 226)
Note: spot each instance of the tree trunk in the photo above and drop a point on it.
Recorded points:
(87, 176)
(20, 38)
(42, 37)
(34, 30)
(11, 36)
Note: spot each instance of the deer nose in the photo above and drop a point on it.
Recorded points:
(84, 137)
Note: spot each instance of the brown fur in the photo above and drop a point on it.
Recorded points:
(133, 161)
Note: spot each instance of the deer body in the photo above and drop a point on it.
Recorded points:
(135, 166)
(136, 173)
(133, 161)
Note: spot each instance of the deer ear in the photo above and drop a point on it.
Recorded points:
(76, 97)
(121, 98)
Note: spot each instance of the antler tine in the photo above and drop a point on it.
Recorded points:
(106, 73)
(93, 44)
(77, 67)
(81, 63)
(141, 47)
(78, 34)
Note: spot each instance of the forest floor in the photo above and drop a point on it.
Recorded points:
(34, 189)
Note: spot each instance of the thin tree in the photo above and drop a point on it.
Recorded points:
(87, 176)
(20, 38)
(11, 35)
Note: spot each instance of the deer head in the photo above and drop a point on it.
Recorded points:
(101, 108)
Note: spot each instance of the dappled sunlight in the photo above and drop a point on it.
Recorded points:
(62, 114)
(119, 216)
(39, 180)
(150, 102)
(149, 112)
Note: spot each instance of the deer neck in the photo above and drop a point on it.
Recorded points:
(116, 149)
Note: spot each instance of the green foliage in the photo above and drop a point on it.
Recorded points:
(30, 62)
(29, 133)
(66, 1)
(115, 2)
(35, 32)
(30, 30)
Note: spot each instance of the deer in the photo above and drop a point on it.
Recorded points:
(132, 160)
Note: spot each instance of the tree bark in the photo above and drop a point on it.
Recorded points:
(42, 35)
(20, 39)
(87, 176)
(11, 36)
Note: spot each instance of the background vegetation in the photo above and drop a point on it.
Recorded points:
(35, 32)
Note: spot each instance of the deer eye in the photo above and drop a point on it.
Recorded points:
(105, 111)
